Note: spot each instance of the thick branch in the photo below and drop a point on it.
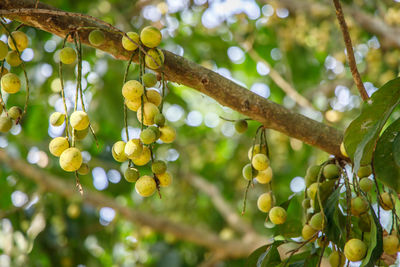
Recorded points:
(232, 249)
(183, 71)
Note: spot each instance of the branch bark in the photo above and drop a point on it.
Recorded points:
(226, 249)
(180, 70)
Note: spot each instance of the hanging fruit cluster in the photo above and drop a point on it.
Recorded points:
(147, 103)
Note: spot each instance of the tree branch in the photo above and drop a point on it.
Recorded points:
(180, 70)
(350, 52)
(229, 249)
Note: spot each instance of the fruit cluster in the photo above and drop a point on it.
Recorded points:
(10, 82)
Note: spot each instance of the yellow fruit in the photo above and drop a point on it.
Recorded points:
(257, 150)
(147, 136)
(73, 211)
(165, 179)
(265, 202)
(390, 244)
(317, 221)
(79, 120)
(133, 148)
(154, 59)
(3, 50)
(149, 79)
(13, 59)
(343, 150)
(260, 162)
(71, 159)
(15, 112)
(96, 37)
(150, 36)
(355, 249)
(20, 39)
(154, 97)
(168, 134)
(57, 118)
(132, 90)
(312, 190)
(134, 104)
(264, 177)
(128, 44)
(387, 200)
(364, 171)
(359, 206)
(143, 158)
(277, 215)
(150, 110)
(131, 175)
(10, 83)
(84, 169)
(145, 186)
(5, 124)
(308, 232)
(337, 259)
(58, 145)
(158, 167)
(67, 55)
(118, 151)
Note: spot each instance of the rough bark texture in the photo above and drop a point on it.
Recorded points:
(180, 70)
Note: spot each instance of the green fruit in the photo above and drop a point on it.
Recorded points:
(159, 119)
(249, 172)
(58, 145)
(265, 202)
(277, 215)
(158, 167)
(10, 83)
(96, 37)
(241, 126)
(132, 90)
(153, 97)
(5, 124)
(168, 134)
(308, 232)
(118, 151)
(312, 174)
(260, 162)
(366, 184)
(13, 59)
(3, 50)
(150, 36)
(147, 136)
(155, 130)
(390, 244)
(57, 118)
(149, 79)
(331, 171)
(84, 169)
(306, 203)
(337, 259)
(20, 39)
(79, 135)
(386, 201)
(312, 190)
(364, 223)
(317, 222)
(79, 120)
(131, 175)
(71, 159)
(364, 171)
(15, 112)
(145, 186)
(67, 55)
(355, 249)
(154, 59)
(359, 206)
(128, 44)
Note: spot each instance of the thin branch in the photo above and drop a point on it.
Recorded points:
(349, 49)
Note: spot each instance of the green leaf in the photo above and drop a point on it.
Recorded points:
(271, 257)
(396, 150)
(335, 229)
(253, 258)
(361, 135)
(375, 244)
(293, 225)
(386, 169)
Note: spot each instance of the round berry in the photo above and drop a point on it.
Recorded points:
(15, 112)
(3, 50)
(147, 136)
(390, 244)
(150, 111)
(154, 97)
(154, 59)
(84, 169)
(133, 148)
(355, 249)
(150, 36)
(158, 167)
(264, 177)
(20, 39)
(317, 221)
(149, 79)
(331, 171)
(96, 37)
(165, 179)
(5, 124)
(143, 158)
(168, 134)
(308, 232)
(145, 186)
(132, 90)
(277, 215)
(79, 120)
(57, 118)
(260, 162)
(241, 126)
(118, 151)
(366, 184)
(127, 42)
(58, 145)
(159, 119)
(13, 59)
(265, 202)
(131, 175)
(71, 159)
(67, 55)
(364, 171)
(10, 83)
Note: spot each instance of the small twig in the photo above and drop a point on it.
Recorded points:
(350, 52)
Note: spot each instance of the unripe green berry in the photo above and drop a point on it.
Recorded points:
(159, 119)
(317, 221)
(15, 112)
(96, 37)
(131, 175)
(84, 169)
(331, 171)
(13, 59)
(312, 175)
(306, 203)
(359, 206)
(147, 136)
(67, 55)
(5, 124)
(366, 184)
(337, 259)
(158, 167)
(249, 172)
(241, 126)
(364, 171)
(3, 50)
(155, 130)
(308, 232)
(149, 79)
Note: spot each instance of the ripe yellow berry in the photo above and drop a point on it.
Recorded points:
(337, 259)
(10, 83)
(128, 44)
(355, 249)
(154, 97)
(343, 150)
(145, 186)
(260, 162)
(147, 136)
(317, 222)
(150, 36)
(168, 134)
(133, 148)
(149, 79)
(150, 110)
(67, 55)
(390, 244)
(359, 206)
(71, 159)
(131, 175)
(96, 37)
(264, 177)
(57, 118)
(308, 232)
(134, 104)
(84, 169)
(143, 158)
(5, 124)
(15, 112)
(265, 202)
(13, 59)
(118, 151)
(386, 201)
(277, 215)
(154, 58)
(3, 50)
(132, 90)
(165, 179)
(257, 150)
(20, 39)
(158, 167)
(58, 145)
(79, 120)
